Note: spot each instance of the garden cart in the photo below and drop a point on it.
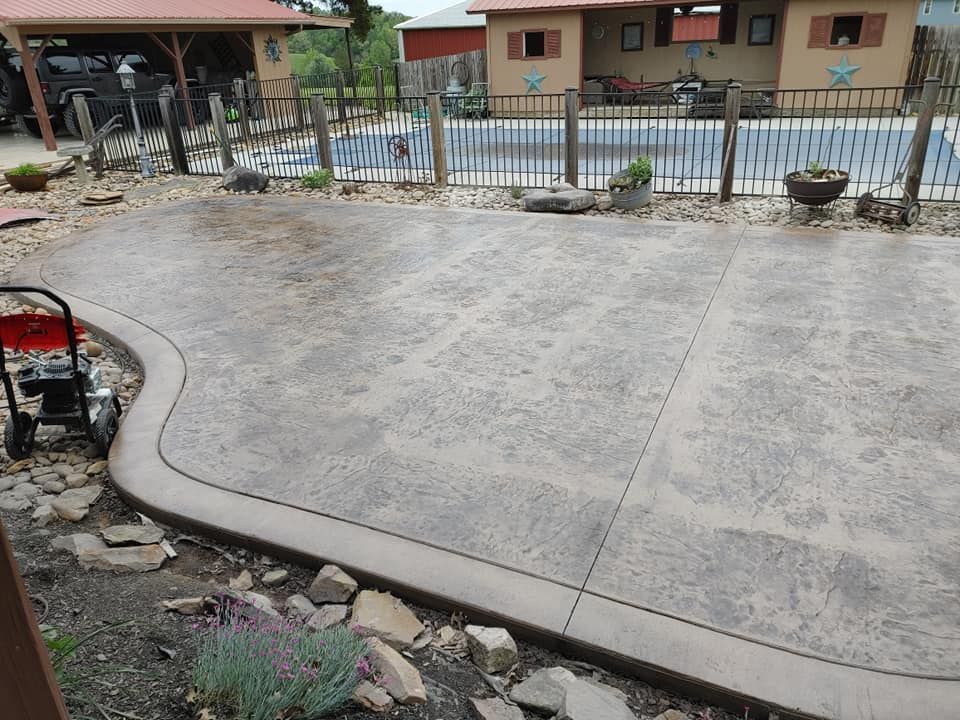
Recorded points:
(70, 388)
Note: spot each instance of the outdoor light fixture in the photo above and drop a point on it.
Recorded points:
(128, 82)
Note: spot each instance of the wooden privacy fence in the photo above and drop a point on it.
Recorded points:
(420, 77)
(936, 53)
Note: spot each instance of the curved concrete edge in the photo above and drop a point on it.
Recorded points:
(723, 669)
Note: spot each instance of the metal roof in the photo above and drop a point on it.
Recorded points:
(47, 12)
(454, 16)
(515, 6)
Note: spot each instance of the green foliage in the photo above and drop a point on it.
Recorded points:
(815, 169)
(26, 169)
(326, 50)
(641, 170)
(516, 192)
(264, 668)
(361, 11)
(63, 646)
(317, 179)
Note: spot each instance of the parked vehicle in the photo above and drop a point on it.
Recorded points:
(65, 72)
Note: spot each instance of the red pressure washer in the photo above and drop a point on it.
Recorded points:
(70, 389)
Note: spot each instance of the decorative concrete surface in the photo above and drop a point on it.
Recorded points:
(730, 453)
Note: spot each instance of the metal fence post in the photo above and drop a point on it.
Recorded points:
(240, 93)
(172, 132)
(379, 91)
(321, 130)
(731, 119)
(437, 143)
(571, 115)
(341, 96)
(220, 128)
(921, 138)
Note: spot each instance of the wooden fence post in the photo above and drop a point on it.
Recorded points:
(571, 117)
(379, 91)
(86, 132)
(29, 689)
(341, 96)
(731, 118)
(171, 129)
(222, 133)
(300, 115)
(240, 93)
(921, 138)
(437, 142)
(321, 130)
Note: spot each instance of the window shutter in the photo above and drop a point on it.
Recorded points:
(873, 26)
(552, 44)
(728, 23)
(663, 31)
(819, 31)
(514, 46)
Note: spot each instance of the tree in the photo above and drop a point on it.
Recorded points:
(361, 11)
(323, 47)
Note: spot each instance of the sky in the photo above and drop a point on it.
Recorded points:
(413, 8)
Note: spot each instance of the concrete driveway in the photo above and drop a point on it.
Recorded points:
(731, 454)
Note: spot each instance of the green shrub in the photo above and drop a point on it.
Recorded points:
(318, 179)
(516, 192)
(641, 170)
(264, 668)
(26, 169)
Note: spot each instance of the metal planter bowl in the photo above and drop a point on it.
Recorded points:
(26, 183)
(816, 192)
(630, 199)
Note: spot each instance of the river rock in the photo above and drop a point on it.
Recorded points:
(399, 678)
(274, 578)
(543, 691)
(97, 467)
(132, 534)
(386, 617)
(241, 179)
(491, 649)
(75, 480)
(331, 585)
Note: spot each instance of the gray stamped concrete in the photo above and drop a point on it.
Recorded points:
(750, 431)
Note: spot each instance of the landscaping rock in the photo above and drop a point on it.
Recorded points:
(45, 478)
(44, 515)
(616, 692)
(560, 198)
(242, 582)
(13, 502)
(583, 701)
(604, 203)
(373, 697)
(543, 691)
(62, 469)
(90, 494)
(132, 535)
(75, 480)
(386, 617)
(328, 616)
(672, 715)
(260, 602)
(496, 709)
(26, 490)
(241, 179)
(274, 578)
(71, 509)
(93, 348)
(97, 467)
(140, 558)
(491, 649)
(186, 606)
(349, 188)
(331, 585)
(77, 542)
(300, 606)
(399, 677)
(19, 465)
(8, 482)
(54, 487)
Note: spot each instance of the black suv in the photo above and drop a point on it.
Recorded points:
(65, 72)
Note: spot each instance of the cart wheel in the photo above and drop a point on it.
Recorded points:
(910, 214)
(18, 450)
(862, 202)
(105, 429)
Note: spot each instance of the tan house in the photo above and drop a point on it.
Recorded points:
(807, 44)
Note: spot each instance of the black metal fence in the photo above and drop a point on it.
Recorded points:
(524, 140)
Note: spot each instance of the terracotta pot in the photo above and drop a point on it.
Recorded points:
(27, 183)
(815, 192)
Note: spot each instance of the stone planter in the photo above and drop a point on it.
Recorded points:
(816, 192)
(27, 183)
(629, 199)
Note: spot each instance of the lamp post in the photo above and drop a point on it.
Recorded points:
(129, 83)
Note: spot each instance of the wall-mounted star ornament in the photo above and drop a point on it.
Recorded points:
(842, 73)
(534, 78)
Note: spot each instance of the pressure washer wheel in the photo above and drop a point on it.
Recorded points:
(105, 429)
(910, 214)
(18, 450)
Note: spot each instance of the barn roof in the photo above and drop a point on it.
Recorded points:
(515, 6)
(454, 16)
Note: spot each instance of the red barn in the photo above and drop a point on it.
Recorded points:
(445, 32)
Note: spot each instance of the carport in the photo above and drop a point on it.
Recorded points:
(253, 32)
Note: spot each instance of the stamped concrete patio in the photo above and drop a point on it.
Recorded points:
(731, 454)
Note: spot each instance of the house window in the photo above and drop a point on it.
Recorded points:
(534, 43)
(631, 36)
(956, 7)
(927, 7)
(846, 30)
(761, 30)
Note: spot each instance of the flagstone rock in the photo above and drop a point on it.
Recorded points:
(399, 678)
(386, 617)
(560, 198)
(373, 697)
(491, 649)
(496, 709)
(672, 715)
(242, 582)
(77, 542)
(186, 606)
(132, 534)
(138, 558)
(44, 515)
(543, 691)
(331, 585)
(300, 606)
(583, 701)
(97, 467)
(328, 616)
(13, 502)
(241, 179)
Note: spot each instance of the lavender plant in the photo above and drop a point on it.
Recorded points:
(264, 668)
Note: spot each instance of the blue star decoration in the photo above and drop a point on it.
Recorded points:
(534, 78)
(842, 72)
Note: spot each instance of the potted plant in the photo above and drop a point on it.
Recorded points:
(26, 178)
(632, 188)
(816, 185)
